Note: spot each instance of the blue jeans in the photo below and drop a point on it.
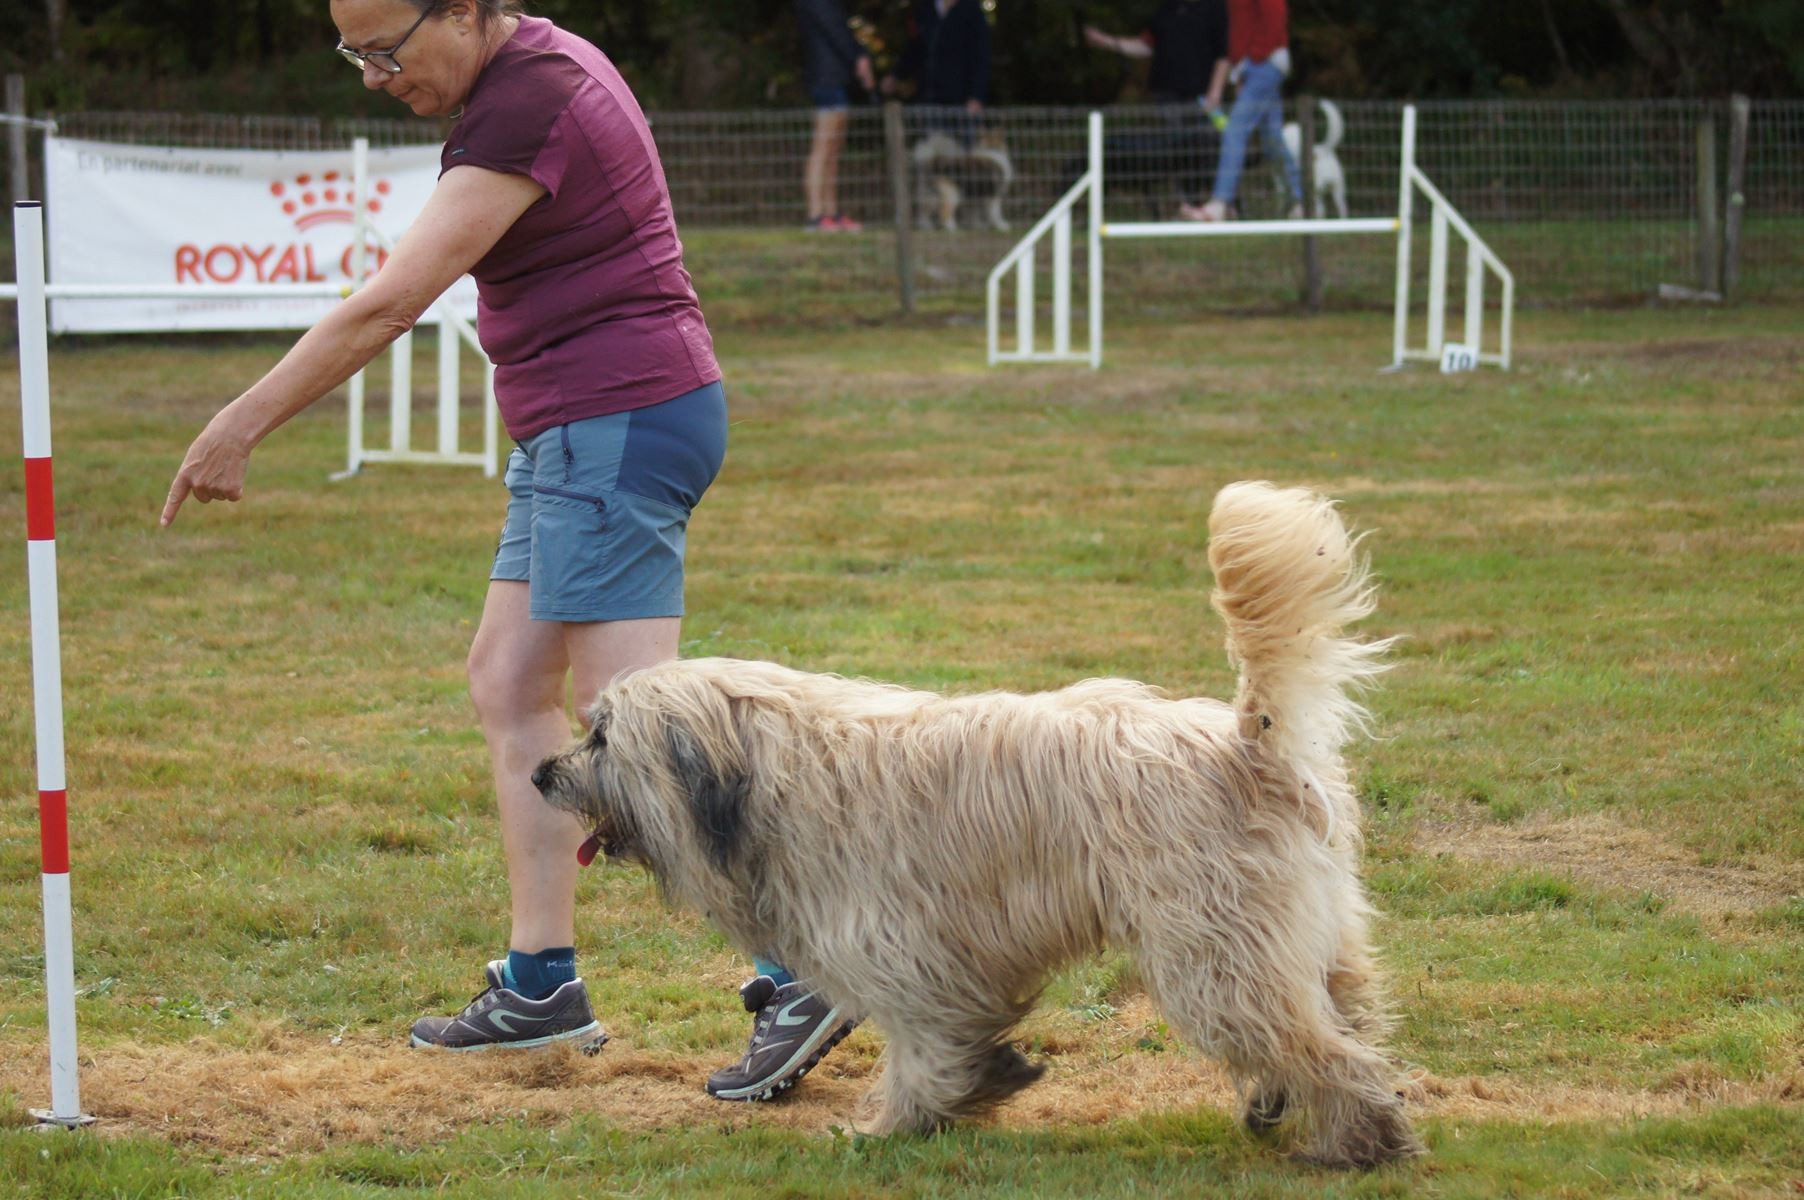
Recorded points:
(1256, 105)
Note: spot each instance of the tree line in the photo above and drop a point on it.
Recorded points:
(274, 56)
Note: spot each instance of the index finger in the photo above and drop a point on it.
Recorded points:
(178, 492)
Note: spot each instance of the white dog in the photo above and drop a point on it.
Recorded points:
(928, 861)
(1330, 180)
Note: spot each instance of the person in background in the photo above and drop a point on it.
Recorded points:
(1187, 41)
(948, 61)
(831, 59)
(1259, 44)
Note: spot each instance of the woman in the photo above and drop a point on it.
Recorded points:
(551, 194)
(1259, 46)
(831, 57)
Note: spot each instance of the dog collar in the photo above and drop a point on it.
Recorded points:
(585, 853)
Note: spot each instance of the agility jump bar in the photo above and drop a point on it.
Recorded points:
(1310, 227)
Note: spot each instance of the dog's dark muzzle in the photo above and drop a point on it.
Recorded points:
(553, 780)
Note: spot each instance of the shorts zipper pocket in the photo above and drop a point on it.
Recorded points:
(597, 501)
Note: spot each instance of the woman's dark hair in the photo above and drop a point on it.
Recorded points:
(487, 11)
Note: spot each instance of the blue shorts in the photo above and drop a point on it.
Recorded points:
(597, 509)
(830, 99)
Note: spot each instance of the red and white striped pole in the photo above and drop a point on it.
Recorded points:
(46, 666)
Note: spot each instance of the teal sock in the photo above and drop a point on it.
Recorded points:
(779, 975)
(536, 976)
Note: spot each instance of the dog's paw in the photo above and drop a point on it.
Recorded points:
(1263, 1114)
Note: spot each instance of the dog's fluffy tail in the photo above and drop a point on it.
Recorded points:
(1288, 580)
(1336, 125)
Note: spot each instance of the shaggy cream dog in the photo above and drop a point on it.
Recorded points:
(927, 861)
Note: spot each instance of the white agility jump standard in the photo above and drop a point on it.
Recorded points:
(1089, 191)
(46, 667)
(454, 333)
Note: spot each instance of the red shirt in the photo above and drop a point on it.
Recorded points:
(1256, 29)
(583, 305)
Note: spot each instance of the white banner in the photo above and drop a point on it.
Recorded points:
(167, 216)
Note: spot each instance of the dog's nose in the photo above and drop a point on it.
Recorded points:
(538, 777)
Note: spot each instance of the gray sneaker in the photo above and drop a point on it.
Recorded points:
(793, 1030)
(502, 1017)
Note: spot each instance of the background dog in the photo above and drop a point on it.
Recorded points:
(928, 861)
(1330, 180)
(948, 173)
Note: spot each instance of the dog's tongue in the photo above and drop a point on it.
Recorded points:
(585, 853)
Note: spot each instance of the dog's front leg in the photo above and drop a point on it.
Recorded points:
(930, 1082)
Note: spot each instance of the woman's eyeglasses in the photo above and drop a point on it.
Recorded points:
(382, 60)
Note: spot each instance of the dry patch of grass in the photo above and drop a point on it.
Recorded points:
(1602, 853)
(1488, 1097)
(293, 1095)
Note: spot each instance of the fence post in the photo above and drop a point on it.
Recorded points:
(1312, 262)
(15, 135)
(55, 11)
(1735, 202)
(895, 149)
(1708, 275)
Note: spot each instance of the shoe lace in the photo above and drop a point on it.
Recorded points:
(760, 1028)
(478, 1002)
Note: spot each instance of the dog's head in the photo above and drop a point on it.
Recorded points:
(660, 774)
(579, 781)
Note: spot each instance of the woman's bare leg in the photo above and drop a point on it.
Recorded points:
(518, 679)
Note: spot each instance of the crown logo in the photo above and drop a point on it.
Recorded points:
(324, 199)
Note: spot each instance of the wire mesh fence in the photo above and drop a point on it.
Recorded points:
(1771, 260)
(1586, 201)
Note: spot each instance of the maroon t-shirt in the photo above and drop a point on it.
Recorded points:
(583, 305)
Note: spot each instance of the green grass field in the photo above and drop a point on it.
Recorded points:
(1584, 808)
